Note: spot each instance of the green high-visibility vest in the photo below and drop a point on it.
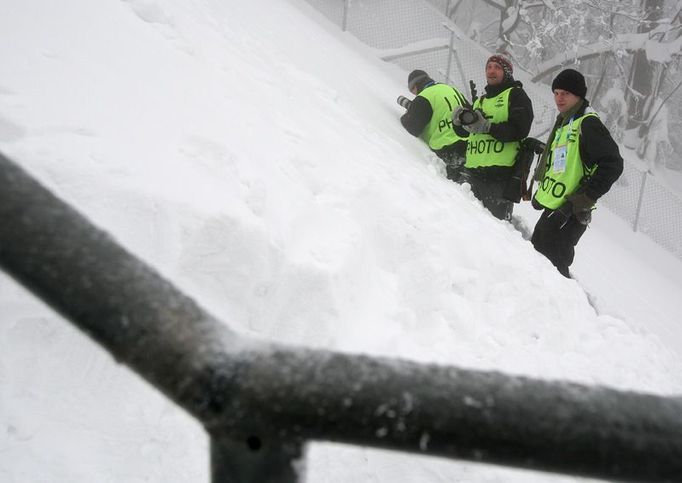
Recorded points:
(565, 169)
(484, 150)
(443, 98)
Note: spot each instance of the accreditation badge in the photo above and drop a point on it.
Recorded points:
(560, 155)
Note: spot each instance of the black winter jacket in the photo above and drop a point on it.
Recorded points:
(597, 147)
(516, 128)
(418, 116)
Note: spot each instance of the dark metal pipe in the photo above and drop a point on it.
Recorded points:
(256, 461)
(270, 400)
(473, 415)
(81, 272)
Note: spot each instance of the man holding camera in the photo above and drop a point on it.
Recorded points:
(429, 116)
(578, 166)
(499, 121)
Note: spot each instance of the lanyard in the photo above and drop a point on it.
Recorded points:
(560, 154)
(561, 131)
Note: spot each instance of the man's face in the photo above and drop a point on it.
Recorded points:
(565, 100)
(494, 73)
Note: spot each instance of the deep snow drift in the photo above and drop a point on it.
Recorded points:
(255, 158)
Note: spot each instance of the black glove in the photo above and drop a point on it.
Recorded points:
(582, 207)
(584, 217)
(558, 218)
(404, 102)
(581, 202)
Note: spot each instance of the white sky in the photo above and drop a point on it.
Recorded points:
(253, 155)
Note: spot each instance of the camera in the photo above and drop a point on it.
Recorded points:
(467, 116)
(404, 102)
(534, 145)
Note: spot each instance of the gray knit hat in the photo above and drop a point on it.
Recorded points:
(418, 78)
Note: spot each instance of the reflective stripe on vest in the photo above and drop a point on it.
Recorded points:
(485, 150)
(565, 172)
(443, 98)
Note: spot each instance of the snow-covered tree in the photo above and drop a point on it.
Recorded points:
(631, 45)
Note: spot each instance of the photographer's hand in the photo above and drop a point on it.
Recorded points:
(456, 112)
(480, 125)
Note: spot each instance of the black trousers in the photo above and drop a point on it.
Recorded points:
(454, 157)
(558, 245)
(490, 190)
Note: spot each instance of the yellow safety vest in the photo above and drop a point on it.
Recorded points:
(484, 150)
(565, 168)
(443, 98)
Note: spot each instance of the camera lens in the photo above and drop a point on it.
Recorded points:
(404, 102)
(467, 117)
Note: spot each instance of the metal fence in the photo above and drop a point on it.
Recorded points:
(648, 207)
(418, 35)
(260, 403)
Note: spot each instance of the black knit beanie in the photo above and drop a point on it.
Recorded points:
(418, 78)
(572, 81)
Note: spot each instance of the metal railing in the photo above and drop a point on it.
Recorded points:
(261, 403)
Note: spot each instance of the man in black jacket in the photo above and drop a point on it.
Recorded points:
(502, 119)
(580, 163)
(429, 115)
